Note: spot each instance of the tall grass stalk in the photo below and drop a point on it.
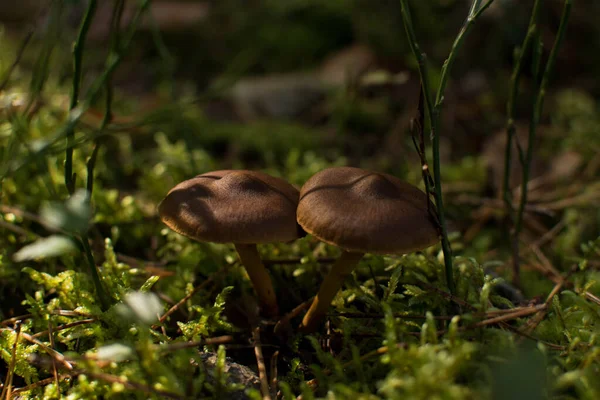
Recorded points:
(91, 164)
(434, 112)
(78, 50)
(538, 106)
(115, 27)
(511, 105)
(118, 49)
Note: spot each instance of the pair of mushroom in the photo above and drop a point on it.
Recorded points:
(357, 210)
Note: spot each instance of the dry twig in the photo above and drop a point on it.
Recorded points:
(273, 383)
(52, 345)
(62, 327)
(285, 320)
(260, 361)
(181, 302)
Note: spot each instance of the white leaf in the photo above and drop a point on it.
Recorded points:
(50, 246)
(144, 306)
(114, 352)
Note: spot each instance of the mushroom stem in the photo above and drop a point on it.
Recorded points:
(260, 278)
(330, 286)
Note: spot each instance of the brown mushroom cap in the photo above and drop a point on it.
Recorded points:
(233, 206)
(364, 211)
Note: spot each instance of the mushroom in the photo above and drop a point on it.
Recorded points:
(236, 206)
(361, 212)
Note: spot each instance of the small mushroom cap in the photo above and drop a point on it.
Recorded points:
(233, 206)
(367, 212)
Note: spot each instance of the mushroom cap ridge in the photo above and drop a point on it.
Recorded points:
(365, 211)
(233, 206)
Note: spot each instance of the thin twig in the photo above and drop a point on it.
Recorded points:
(13, 320)
(41, 383)
(70, 313)
(513, 329)
(359, 315)
(181, 302)
(544, 260)
(260, 361)
(422, 317)
(548, 236)
(557, 287)
(592, 298)
(285, 320)
(273, 383)
(51, 352)
(582, 199)
(63, 327)
(507, 317)
(62, 313)
(189, 345)
(137, 262)
(52, 346)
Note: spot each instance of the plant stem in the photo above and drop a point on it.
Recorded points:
(474, 13)
(434, 113)
(511, 107)
(537, 111)
(114, 58)
(78, 49)
(531, 39)
(114, 48)
(96, 88)
(527, 157)
(105, 299)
